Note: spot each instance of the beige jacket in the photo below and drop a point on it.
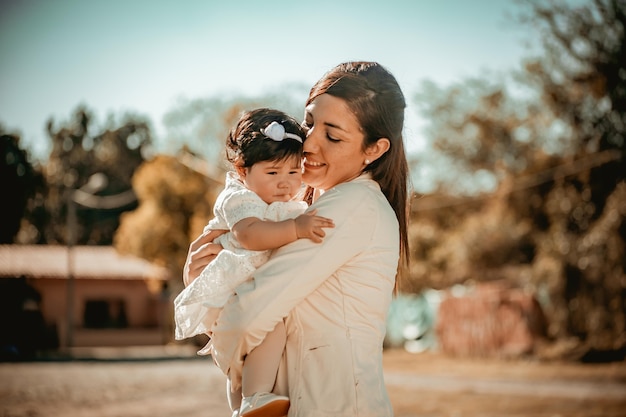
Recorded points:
(334, 299)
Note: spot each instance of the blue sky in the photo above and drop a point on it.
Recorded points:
(136, 55)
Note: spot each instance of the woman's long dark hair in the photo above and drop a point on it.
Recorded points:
(374, 96)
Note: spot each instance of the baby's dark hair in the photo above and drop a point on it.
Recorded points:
(246, 145)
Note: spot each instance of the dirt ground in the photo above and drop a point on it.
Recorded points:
(426, 384)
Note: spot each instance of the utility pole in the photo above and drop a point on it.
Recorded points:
(85, 197)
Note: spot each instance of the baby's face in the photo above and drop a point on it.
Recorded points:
(274, 180)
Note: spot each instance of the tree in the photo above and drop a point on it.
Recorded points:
(20, 181)
(77, 154)
(175, 203)
(556, 158)
(203, 123)
(583, 84)
(176, 193)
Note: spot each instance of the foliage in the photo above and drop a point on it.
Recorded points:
(20, 181)
(479, 133)
(76, 155)
(176, 193)
(175, 203)
(203, 124)
(582, 74)
(556, 154)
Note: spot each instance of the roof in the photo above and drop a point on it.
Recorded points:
(88, 262)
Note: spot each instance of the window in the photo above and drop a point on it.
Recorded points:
(104, 314)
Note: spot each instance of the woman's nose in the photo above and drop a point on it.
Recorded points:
(310, 143)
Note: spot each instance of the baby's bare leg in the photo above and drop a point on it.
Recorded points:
(261, 365)
(234, 398)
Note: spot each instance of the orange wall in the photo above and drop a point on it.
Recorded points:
(142, 306)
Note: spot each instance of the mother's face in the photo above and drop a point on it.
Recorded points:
(333, 149)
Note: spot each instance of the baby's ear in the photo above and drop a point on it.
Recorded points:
(241, 171)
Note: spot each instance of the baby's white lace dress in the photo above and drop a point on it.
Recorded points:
(196, 308)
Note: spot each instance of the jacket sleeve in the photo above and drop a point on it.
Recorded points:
(294, 271)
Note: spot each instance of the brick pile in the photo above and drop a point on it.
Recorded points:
(490, 320)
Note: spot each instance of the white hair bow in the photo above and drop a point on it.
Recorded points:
(276, 132)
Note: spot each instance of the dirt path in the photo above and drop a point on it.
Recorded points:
(555, 388)
(434, 385)
(419, 385)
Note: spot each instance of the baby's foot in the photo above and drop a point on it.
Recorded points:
(264, 404)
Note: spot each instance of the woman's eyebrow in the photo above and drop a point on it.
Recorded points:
(335, 126)
(327, 124)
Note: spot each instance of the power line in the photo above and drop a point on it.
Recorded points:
(536, 179)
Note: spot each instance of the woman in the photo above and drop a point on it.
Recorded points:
(333, 297)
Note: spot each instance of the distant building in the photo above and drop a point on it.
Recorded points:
(115, 300)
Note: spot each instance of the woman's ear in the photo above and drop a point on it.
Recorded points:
(376, 150)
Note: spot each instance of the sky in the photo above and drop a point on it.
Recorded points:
(143, 56)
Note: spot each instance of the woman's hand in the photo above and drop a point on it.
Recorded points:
(201, 252)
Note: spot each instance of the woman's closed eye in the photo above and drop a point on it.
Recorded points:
(330, 138)
(308, 126)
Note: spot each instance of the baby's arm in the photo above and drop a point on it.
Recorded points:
(256, 234)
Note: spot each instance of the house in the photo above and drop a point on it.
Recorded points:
(85, 296)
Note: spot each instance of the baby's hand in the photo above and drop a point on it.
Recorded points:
(309, 226)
